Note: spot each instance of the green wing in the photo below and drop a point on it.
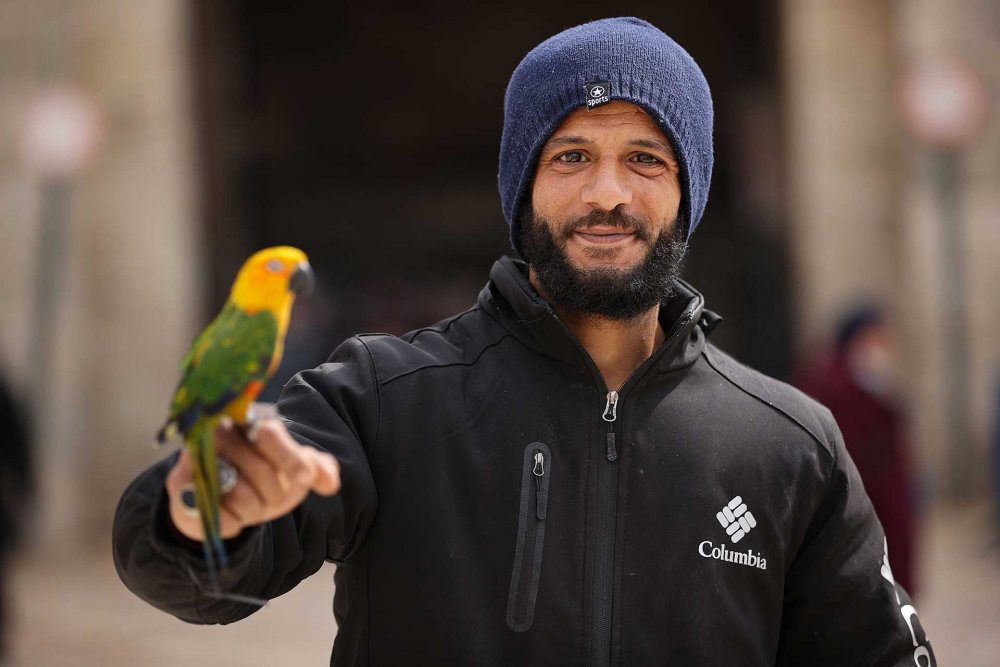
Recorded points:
(233, 351)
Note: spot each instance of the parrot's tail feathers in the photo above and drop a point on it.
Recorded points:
(213, 590)
(208, 497)
(213, 573)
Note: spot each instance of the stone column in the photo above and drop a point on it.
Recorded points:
(843, 156)
(129, 304)
(862, 210)
(969, 30)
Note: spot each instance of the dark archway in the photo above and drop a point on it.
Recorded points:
(370, 139)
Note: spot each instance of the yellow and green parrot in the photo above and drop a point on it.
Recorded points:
(227, 367)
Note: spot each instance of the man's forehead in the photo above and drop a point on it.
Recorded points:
(626, 118)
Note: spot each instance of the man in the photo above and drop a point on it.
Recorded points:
(568, 472)
(16, 492)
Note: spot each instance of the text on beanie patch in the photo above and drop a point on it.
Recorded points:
(598, 93)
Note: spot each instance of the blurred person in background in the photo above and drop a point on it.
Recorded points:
(568, 472)
(858, 381)
(15, 491)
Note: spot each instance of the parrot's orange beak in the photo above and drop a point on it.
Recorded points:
(302, 281)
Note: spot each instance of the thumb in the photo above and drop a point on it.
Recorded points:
(327, 479)
(181, 475)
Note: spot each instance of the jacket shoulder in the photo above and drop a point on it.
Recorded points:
(460, 340)
(795, 406)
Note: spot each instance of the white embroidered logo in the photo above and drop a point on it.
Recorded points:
(908, 611)
(736, 519)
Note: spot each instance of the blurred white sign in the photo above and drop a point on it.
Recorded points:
(944, 102)
(61, 132)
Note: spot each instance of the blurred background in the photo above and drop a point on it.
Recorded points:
(851, 242)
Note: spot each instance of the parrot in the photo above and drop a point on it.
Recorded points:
(226, 368)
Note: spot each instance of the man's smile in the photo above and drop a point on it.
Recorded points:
(604, 235)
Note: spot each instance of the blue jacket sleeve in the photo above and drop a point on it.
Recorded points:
(333, 407)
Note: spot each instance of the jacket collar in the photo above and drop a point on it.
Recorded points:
(513, 301)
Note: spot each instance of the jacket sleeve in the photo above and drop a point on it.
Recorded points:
(842, 605)
(332, 407)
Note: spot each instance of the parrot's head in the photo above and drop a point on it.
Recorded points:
(271, 278)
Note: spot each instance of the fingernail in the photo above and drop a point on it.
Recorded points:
(189, 500)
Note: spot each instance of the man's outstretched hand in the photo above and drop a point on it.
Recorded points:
(275, 474)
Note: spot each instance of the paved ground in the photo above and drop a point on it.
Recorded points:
(76, 613)
(960, 604)
(80, 615)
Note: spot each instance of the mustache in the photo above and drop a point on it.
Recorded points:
(617, 218)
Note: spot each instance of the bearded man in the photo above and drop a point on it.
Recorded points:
(568, 472)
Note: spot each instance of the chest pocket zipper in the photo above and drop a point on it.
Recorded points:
(536, 475)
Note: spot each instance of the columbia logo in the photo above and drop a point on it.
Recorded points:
(736, 519)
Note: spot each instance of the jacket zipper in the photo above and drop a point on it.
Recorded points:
(607, 492)
(607, 501)
(527, 568)
(607, 509)
(610, 415)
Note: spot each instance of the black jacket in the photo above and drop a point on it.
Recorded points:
(499, 507)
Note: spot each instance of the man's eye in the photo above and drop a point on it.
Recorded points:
(646, 158)
(571, 156)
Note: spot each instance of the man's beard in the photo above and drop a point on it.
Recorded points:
(608, 292)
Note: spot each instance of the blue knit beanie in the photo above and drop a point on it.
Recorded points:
(637, 63)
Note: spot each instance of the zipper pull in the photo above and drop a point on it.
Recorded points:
(542, 491)
(611, 407)
(612, 448)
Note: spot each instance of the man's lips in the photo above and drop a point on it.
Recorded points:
(602, 236)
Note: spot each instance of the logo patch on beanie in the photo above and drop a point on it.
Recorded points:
(598, 93)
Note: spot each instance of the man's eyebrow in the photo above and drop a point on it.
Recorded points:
(574, 140)
(654, 144)
(564, 139)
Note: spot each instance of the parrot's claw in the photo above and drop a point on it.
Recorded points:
(260, 411)
(257, 413)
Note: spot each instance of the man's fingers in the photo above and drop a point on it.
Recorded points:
(278, 447)
(181, 474)
(255, 469)
(327, 480)
(276, 473)
(244, 504)
(230, 525)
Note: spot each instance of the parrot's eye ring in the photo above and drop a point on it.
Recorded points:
(275, 266)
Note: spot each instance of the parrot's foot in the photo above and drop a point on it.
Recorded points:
(257, 413)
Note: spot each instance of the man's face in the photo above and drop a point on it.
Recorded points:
(600, 234)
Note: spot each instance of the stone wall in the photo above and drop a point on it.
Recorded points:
(865, 215)
(128, 302)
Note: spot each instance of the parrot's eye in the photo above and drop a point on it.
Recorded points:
(275, 266)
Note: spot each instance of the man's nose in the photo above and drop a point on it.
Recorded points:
(607, 187)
